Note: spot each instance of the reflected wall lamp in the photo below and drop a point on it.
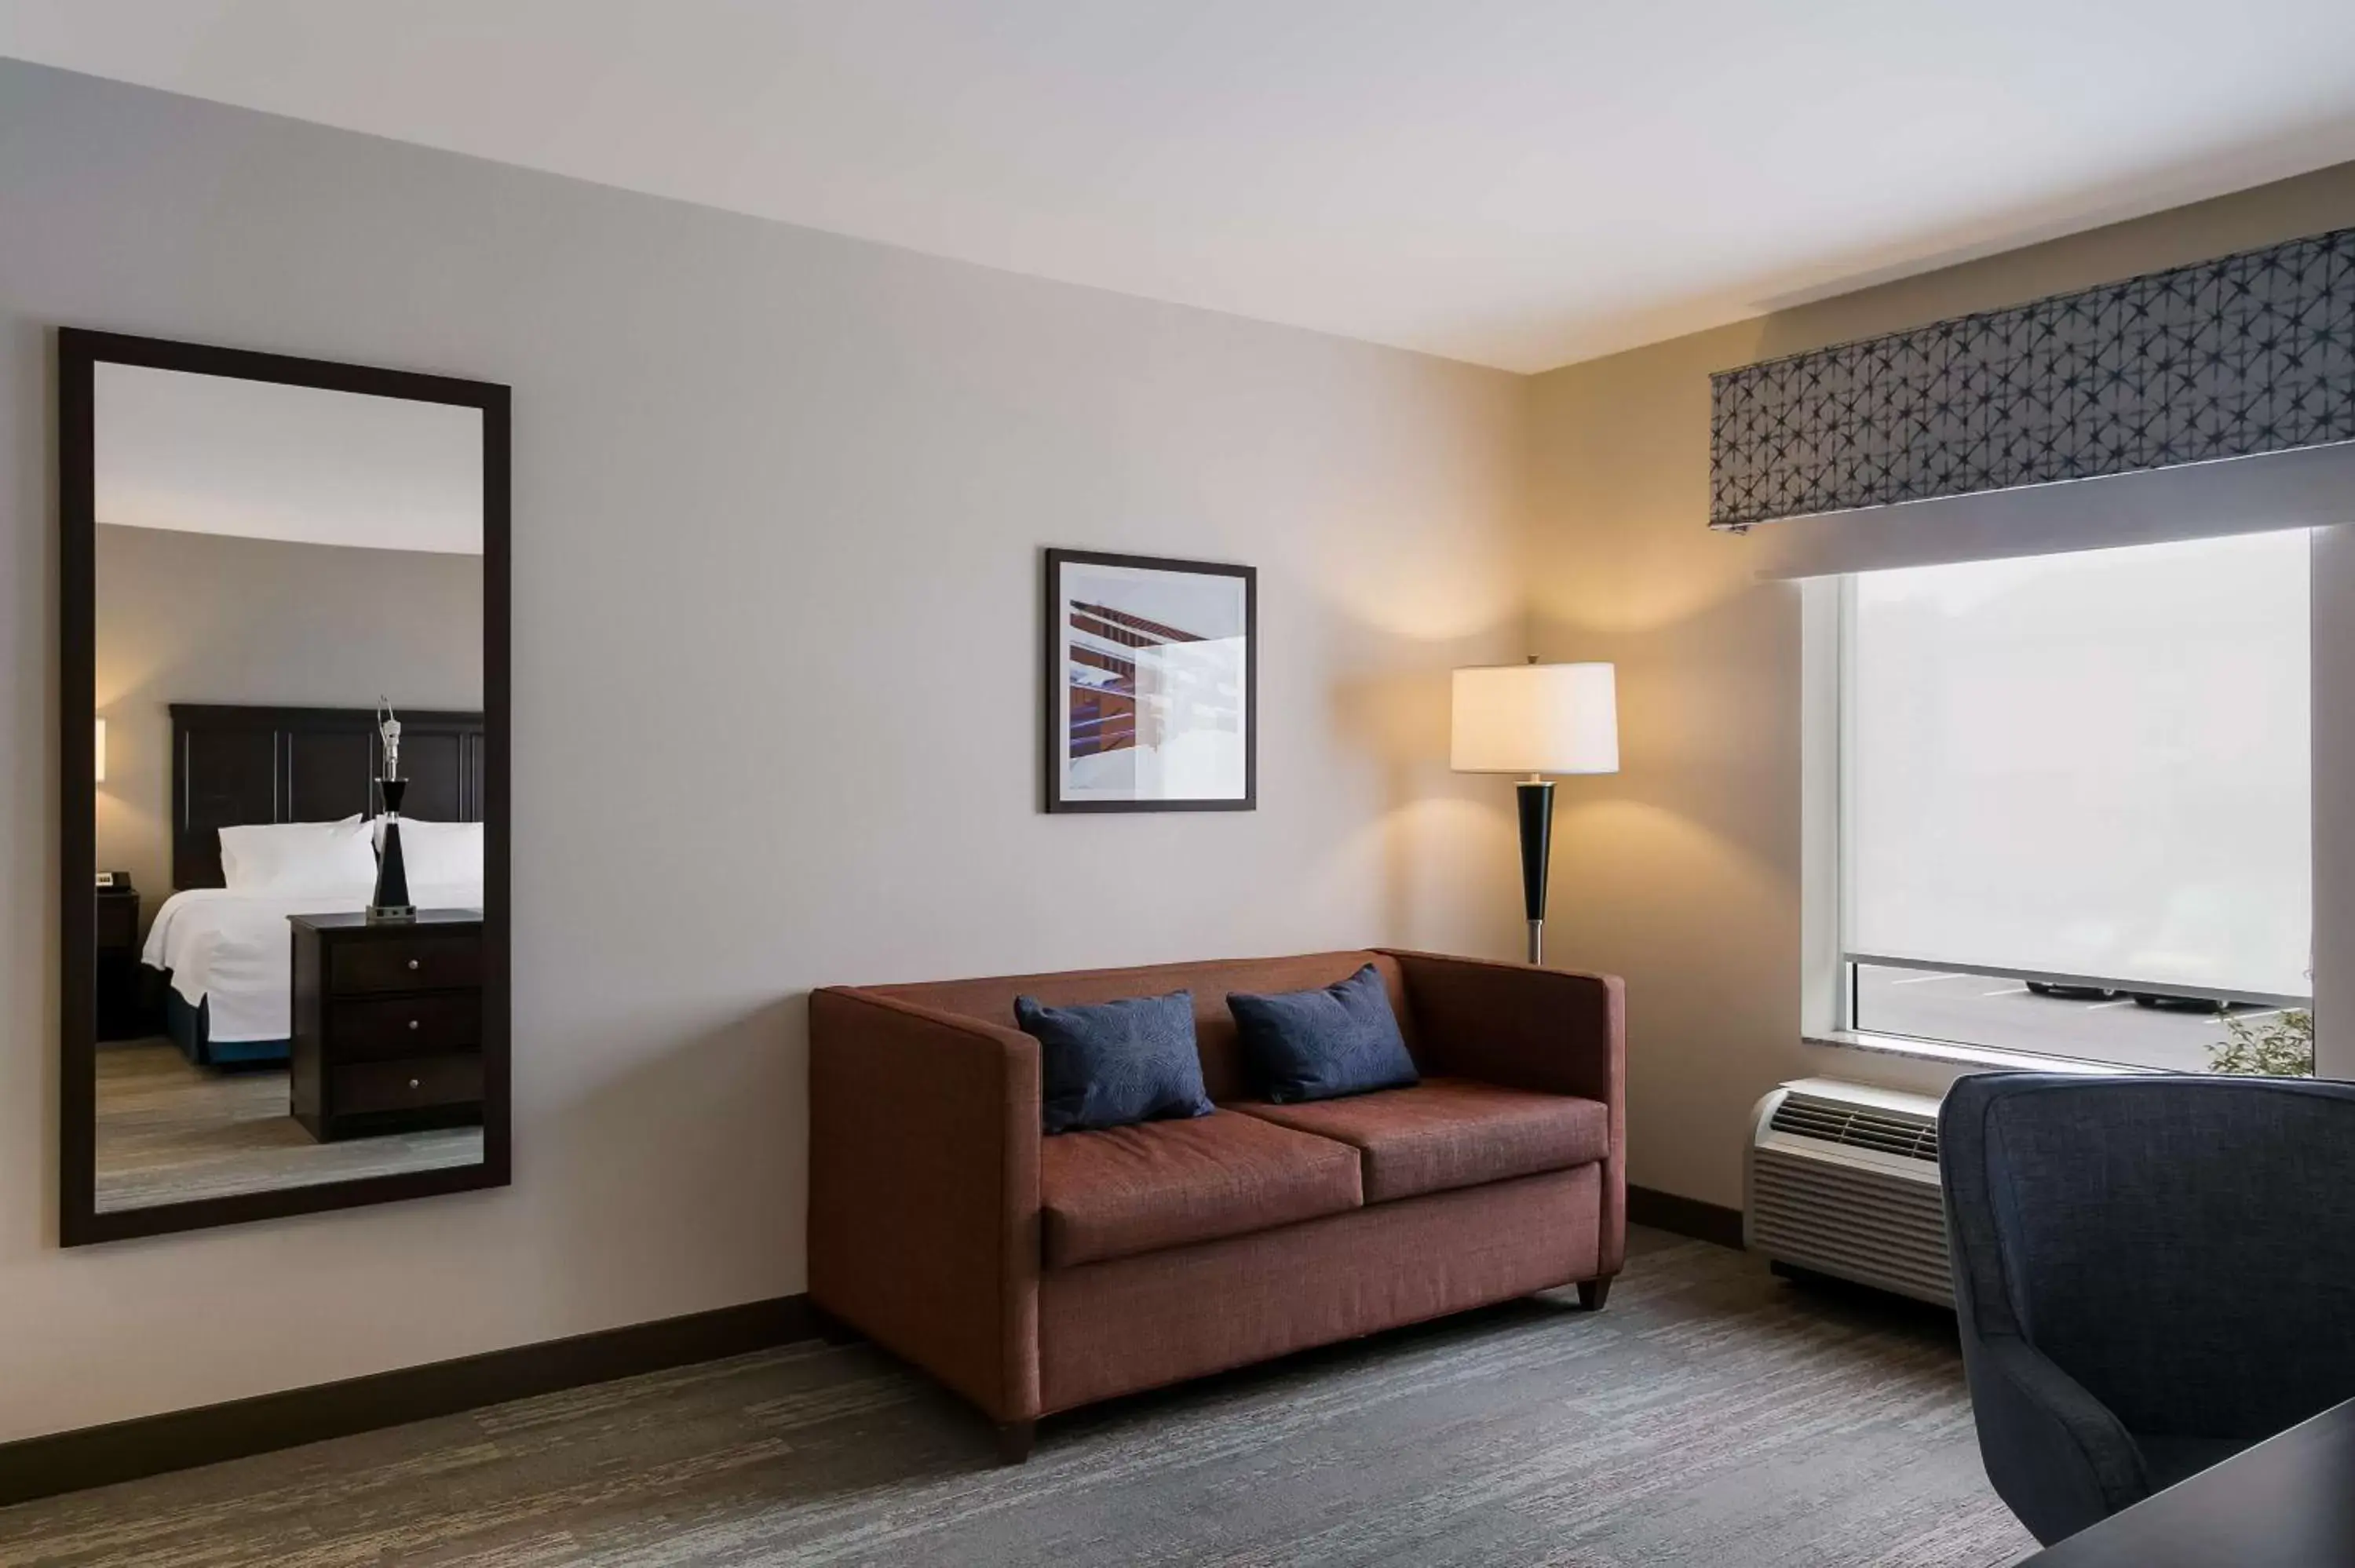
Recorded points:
(1534, 719)
(101, 774)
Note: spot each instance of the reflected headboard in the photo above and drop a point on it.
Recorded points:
(234, 767)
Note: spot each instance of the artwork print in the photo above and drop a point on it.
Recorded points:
(1150, 684)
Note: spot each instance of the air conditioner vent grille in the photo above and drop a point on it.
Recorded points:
(1858, 1127)
(1877, 1229)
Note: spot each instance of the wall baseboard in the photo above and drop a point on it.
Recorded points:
(180, 1439)
(1684, 1216)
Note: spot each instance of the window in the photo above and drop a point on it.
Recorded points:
(2074, 799)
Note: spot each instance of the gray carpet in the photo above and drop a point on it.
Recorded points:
(1711, 1416)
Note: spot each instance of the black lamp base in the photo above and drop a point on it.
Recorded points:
(1536, 797)
(390, 903)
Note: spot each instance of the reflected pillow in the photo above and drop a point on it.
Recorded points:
(442, 854)
(1115, 1063)
(299, 857)
(1317, 1045)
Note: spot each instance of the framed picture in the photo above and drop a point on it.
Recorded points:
(1152, 675)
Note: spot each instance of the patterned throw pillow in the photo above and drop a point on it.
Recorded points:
(1320, 1045)
(1115, 1063)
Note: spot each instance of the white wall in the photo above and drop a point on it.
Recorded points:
(1683, 873)
(778, 503)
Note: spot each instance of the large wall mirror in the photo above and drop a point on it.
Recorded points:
(285, 684)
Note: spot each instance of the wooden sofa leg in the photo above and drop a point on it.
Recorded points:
(1014, 1440)
(1593, 1293)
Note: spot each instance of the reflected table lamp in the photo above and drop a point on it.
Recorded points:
(390, 903)
(1534, 719)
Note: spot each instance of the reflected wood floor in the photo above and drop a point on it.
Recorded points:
(169, 1132)
(1712, 1417)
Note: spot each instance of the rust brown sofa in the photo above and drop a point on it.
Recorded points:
(1034, 1275)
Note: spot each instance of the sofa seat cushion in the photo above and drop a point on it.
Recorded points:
(1452, 1132)
(1128, 1190)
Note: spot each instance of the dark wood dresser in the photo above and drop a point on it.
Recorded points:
(387, 1022)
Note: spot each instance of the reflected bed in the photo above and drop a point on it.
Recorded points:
(228, 960)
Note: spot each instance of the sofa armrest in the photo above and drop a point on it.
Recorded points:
(2058, 1457)
(1550, 1030)
(923, 1191)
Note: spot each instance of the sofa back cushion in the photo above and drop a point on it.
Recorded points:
(991, 1000)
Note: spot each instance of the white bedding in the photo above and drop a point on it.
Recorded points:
(234, 950)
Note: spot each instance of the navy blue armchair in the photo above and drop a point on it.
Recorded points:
(2150, 1273)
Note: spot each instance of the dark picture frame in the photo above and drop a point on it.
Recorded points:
(1059, 729)
(79, 352)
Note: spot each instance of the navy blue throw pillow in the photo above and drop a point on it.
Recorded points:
(1115, 1063)
(1319, 1045)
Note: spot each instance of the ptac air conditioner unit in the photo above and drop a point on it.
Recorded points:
(1843, 1180)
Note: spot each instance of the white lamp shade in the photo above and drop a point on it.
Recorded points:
(101, 751)
(1536, 718)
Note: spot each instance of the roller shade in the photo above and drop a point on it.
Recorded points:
(2093, 765)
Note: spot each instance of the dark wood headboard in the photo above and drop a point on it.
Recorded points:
(234, 767)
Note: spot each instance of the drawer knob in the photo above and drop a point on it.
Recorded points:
(412, 963)
(413, 1023)
(413, 1083)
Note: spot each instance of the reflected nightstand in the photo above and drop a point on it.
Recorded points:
(387, 1022)
(123, 1012)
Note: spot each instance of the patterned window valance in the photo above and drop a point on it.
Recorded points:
(2253, 353)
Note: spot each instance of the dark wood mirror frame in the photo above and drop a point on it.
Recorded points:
(78, 352)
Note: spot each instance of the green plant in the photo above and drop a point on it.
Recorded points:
(2281, 1046)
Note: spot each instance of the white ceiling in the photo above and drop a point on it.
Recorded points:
(258, 459)
(1519, 183)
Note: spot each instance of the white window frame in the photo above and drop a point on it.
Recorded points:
(2314, 489)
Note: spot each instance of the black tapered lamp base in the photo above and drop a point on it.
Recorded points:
(1535, 797)
(390, 903)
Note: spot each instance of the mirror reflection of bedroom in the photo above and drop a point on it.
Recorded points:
(284, 574)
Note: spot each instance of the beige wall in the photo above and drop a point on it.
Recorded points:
(779, 499)
(1682, 873)
(205, 618)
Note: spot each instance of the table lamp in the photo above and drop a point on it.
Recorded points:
(1534, 719)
